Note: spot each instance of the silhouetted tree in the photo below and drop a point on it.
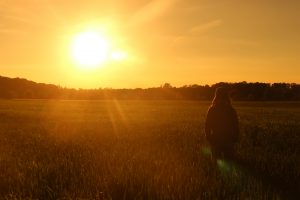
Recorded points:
(242, 91)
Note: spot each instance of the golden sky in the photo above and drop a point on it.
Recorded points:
(175, 41)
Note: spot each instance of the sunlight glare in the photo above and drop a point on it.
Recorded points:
(90, 49)
(118, 55)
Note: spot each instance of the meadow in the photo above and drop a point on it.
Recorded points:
(144, 150)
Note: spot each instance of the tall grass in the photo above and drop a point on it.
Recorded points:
(143, 150)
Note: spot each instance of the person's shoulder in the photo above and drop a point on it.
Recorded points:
(211, 108)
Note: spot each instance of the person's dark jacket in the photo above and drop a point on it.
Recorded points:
(221, 126)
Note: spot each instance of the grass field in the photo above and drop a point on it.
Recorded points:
(144, 150)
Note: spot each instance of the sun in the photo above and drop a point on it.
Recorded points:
(90, 49)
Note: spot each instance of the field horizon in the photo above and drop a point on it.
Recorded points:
(18, 88)
(162, 84)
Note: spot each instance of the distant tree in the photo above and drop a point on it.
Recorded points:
(241, 91)
(167, 85)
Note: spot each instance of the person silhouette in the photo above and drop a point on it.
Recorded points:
(221, 125)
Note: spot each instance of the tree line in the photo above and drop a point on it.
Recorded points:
(18, 88)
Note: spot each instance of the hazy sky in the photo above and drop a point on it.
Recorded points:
(176, 41)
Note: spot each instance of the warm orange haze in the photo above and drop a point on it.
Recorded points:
(150, 99)
(123, 44)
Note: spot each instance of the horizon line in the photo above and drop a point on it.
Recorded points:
(161, 85)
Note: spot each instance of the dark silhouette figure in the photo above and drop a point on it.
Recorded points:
(221, 126)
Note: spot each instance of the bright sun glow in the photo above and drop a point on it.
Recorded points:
(90, 49)
(118, 55)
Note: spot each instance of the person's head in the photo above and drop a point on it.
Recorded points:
(221, 97)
